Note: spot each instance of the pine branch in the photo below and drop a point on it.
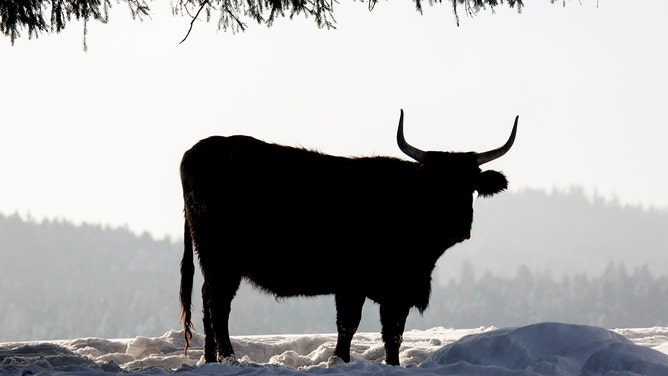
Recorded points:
(19, 15)
(192, 21)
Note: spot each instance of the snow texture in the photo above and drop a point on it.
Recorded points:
(540, 349)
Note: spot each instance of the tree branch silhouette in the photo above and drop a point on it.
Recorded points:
(51, 16)
(193, 21)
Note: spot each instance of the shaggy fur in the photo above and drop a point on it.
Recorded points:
(296, 222)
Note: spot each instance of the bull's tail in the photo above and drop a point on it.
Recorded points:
(187, 273)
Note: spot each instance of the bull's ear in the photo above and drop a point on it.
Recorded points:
(491, 182)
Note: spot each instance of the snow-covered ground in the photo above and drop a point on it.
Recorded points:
(539, 349)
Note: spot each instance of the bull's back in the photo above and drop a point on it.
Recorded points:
(280, 191)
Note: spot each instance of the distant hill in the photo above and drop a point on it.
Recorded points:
(59, 279)
(561, 233)
(533, 256)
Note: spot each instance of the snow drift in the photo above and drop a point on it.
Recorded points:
(539, 349)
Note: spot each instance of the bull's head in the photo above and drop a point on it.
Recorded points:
(448, 180)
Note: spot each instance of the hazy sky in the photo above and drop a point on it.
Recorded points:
(97, 136)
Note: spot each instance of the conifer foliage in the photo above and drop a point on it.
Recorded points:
(48, 16)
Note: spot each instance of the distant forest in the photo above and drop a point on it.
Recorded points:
(534, 256)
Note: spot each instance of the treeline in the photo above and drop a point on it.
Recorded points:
(602, 264)
(61, 280)
(618, 298)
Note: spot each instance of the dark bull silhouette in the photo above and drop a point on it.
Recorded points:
(296, 222)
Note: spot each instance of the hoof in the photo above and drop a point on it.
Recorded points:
(334, 361)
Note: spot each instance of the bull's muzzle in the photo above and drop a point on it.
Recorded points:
(459, 238)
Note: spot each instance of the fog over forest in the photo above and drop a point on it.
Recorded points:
(534, 256)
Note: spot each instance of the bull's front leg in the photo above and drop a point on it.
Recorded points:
(392, 321)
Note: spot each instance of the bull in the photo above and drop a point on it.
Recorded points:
(297, 222)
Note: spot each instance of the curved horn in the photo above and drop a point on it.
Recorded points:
(409, 150)
(491, 155)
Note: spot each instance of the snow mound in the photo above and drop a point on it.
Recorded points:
(550, 349)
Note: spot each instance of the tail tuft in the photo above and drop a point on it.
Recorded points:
(187, 273)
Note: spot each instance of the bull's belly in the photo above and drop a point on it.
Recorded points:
(293, 283)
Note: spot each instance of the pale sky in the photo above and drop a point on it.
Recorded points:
(97, 136)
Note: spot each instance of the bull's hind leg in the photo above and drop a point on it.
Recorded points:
(209, 338)
(392, 321)
(219, 293)
(348, 316)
